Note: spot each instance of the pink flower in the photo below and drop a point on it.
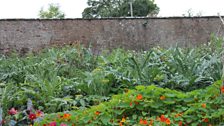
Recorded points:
(2, 122)
(12, 111)
(63, 124)
(32, 116)
(52, 124)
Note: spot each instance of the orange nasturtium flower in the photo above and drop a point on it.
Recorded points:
(130, 104)
(39, 113)
(205, 120)
(97, 113)
(143, 122)
(165, 120)
(136, 102)
(151, 122)
(222, 89)
(139, 97)
(180, 123)
(123, 120)
(178, 114)
(162, 97)
(168, 121)
(66, 116)
(203, 105)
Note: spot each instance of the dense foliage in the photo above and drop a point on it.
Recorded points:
(53, 11)
(150, 105)
(119, 8)
(73, 78)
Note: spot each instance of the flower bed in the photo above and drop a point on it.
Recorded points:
(149, 105)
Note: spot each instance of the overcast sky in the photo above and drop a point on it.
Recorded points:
(74, 8)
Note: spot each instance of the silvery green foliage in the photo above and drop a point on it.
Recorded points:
(29, 105)
(12, 123)
(39, 119)
(1, 119)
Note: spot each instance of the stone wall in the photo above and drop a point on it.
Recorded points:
(130, 33)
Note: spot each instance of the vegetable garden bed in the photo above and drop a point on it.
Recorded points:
(73, 86)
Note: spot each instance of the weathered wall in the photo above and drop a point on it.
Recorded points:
(138, 33)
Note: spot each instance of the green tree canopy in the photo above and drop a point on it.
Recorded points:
(119, 8)
(53, 12)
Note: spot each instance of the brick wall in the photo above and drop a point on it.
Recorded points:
(130, 33)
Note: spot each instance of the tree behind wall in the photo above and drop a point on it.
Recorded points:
(119, 8)
(53, 12)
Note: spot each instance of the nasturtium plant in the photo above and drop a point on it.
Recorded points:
(141, 107)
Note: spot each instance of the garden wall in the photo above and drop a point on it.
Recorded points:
(130, 33)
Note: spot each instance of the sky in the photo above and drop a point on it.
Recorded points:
(73, 8)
